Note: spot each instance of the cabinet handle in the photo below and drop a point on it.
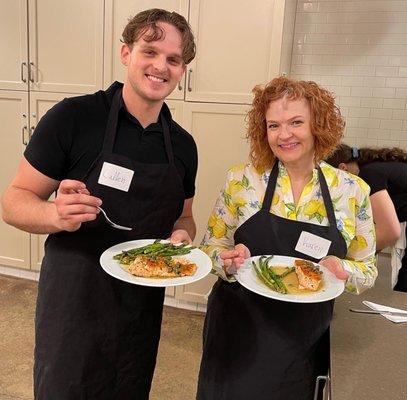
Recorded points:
(23, 78)
(23, 131)
(179, 86)
(31, 72)
(31, 131)
(317, 384)
(189, 80)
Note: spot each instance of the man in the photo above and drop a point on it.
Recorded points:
(97, 337)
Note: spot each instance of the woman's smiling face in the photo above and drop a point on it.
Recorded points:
(289, 132)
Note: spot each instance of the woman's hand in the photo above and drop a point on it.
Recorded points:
(233, 259)
(334, 265)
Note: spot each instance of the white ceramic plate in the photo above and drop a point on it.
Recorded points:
(115, 269)
(246, 276)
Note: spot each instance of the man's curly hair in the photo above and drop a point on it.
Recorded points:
(145, 24)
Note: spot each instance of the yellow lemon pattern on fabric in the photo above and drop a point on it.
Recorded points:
(330, 176)
(358, 243)
(234, 187)
(352, 204)
(315, 209)
(217, 226)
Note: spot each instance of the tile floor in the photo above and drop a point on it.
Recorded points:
(178, 358)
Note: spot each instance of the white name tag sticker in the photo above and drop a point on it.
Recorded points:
(312, 245)
(115, 176)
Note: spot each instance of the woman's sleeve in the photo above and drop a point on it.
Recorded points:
(221, 227)
(360, 261)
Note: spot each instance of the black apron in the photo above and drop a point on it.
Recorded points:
(259, 348)
(97, 337)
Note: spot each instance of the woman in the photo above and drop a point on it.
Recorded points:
(256, 347)
(385, 170)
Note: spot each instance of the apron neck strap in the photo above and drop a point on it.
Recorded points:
(167, 139)
(111, 128)
(271, 185)
(327, 198)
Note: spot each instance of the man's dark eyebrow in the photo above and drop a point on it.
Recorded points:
(149, 46)
(176, 56)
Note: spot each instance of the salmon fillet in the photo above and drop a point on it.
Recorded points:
(309, 276)
(160, 267)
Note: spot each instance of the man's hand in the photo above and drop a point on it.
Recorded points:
(233, 259)
(74, 205)
(179, 236)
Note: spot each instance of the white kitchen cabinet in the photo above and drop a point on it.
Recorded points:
(14, 244)
(118, 12)
(66, 45)
(177, 110)
(239, 45)
(13, 45)
(219, 132)
(51, 45)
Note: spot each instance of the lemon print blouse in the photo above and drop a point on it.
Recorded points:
(242, 197)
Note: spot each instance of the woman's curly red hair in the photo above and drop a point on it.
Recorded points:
(327, 123)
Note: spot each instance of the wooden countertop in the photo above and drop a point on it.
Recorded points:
(369, 352)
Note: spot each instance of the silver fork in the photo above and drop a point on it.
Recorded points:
(111, 223)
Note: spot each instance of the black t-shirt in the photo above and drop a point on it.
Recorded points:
(70, 136)
(392, 176)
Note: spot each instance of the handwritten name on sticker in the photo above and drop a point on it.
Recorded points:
(312, 245)
(115, 176)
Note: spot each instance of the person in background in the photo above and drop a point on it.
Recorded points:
(97, 337)
(257, 347)
(385, 171)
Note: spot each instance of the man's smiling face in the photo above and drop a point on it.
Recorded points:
(154, 68)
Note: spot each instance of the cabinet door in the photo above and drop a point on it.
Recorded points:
(117, 15)
(13, 45)
(219, 131)
(238, 47)
(14, 244)
(40, 103)
(66, 45)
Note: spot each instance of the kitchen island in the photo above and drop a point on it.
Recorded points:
(369, 352)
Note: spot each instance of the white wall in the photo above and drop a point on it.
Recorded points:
(358, 50)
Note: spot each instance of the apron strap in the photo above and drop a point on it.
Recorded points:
(271, 185)
(111, 126)
(167, 139)
(327, 198)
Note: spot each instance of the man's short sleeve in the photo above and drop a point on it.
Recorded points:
(48, 149)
